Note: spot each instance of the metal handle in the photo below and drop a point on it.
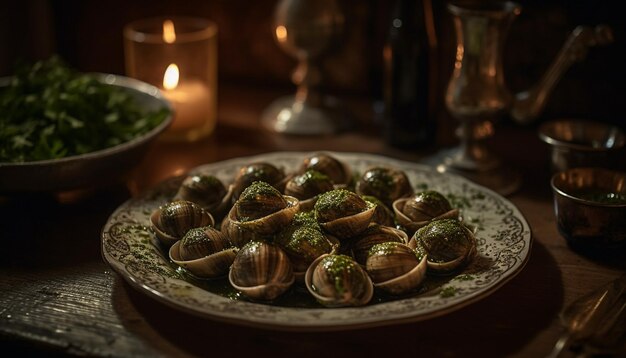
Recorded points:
(596, 321)
(529, 104)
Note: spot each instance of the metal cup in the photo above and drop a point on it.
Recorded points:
(589, 207)
(581, 143)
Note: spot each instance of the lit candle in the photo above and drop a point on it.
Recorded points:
(191, 100)
(183, 52)
(169, 32)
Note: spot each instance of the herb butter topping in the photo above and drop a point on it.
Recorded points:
(444, 240)
(311, 175)
(338, 268)
(195, 236)
(448, 229)
(338, 203)
(258, 189)
(306, 218)
(308, 243)
(385, 248)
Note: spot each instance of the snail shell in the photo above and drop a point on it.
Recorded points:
(240, 237)
(237, 236)
(375, 234)
(262, 210)
(382, 215)
(448, 244)
(395, 268)
(343, 213)
(205, 252)
(386, 184)
(171, 221)
(337, 171)
(307, 186)
(303, 245)
(261, 171)
(258, 200)
(338, 281)
(207, 191)
(422, 208)
(261, 270)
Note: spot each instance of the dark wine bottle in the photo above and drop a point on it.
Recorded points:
(410, 76)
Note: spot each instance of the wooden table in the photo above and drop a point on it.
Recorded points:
(57, 295)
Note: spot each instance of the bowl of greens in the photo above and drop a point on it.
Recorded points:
(61, 129)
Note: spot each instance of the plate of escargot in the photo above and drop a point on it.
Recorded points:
(317, 241)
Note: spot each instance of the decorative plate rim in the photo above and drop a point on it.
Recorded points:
(316, 319)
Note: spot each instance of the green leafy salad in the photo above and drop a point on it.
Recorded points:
(49, 111)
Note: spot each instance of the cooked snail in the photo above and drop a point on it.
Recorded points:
(262, 209)
(386, 184)
(205, 252)
(171, 221)
(261, 270)
(338, 281)
(303, 245)
(382, 215)
(418, 210)
(337, 171)
(205, 190)
(264, 172)
(396, 268)
(447, 243)
(307, 186)
(375, 234)
(343, 213)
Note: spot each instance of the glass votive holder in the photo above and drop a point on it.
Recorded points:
(179, 56)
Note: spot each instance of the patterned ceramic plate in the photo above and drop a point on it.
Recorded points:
(504, 242)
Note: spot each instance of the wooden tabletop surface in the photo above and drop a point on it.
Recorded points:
(58, 296)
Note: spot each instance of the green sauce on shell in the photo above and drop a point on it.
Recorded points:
(384, 248)
(195, 236)
(339, 201)
(451, 229)
(337, 267)
(259, 188)
(373, 201)
(338, 264)
(443, 239)
(306, 218)
(308, 237)
(311, 175)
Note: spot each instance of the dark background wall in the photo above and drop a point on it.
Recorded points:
(88, 34)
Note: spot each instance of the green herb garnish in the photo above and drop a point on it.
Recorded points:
(49, 111)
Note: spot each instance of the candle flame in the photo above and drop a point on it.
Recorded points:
(170, 78)
(281, 33)
(169, 34)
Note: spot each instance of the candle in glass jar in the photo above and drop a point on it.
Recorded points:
(157, 49)
(191, 100)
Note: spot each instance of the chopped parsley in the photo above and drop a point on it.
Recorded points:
(49, 110)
